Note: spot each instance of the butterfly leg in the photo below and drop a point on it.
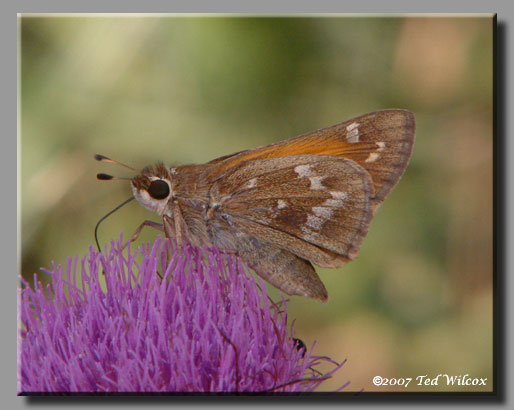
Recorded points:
(171, 232)
(182, 233)
(136, 234)
(177, 216)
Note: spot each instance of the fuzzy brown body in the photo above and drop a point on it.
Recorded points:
(283, 206)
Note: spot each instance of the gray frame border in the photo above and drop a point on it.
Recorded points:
(504, 149)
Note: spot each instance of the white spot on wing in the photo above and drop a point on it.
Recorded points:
(251, 183)
(321, 215)
(352, 132)
(339, 195)
(381, 146)
(333, 203)
(309, 234)
(281, 204)
(322, 212)
(314, 222)
(372, 157)
(303, 170)
(336, 201)
(316, 184)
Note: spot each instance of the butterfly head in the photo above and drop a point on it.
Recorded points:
(152, 188)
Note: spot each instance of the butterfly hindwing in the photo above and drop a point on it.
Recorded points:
(315, 206)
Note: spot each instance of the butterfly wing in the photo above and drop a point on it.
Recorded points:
(315, 206)
(380, 142)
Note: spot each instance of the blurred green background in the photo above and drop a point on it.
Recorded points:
(418, 300)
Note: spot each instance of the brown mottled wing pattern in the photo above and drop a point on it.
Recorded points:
(381, 142)
(316, 206)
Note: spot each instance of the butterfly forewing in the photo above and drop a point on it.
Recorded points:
(381, 142)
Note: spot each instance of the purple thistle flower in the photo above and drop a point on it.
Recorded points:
(206, 327)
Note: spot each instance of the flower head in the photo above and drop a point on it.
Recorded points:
(206, 326)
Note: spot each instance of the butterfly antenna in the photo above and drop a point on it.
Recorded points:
(106, 215)
(103, 158)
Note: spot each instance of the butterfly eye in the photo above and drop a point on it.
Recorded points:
(159, 189)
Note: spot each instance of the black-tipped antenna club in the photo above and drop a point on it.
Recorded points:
(104, 177)
(107, 177)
